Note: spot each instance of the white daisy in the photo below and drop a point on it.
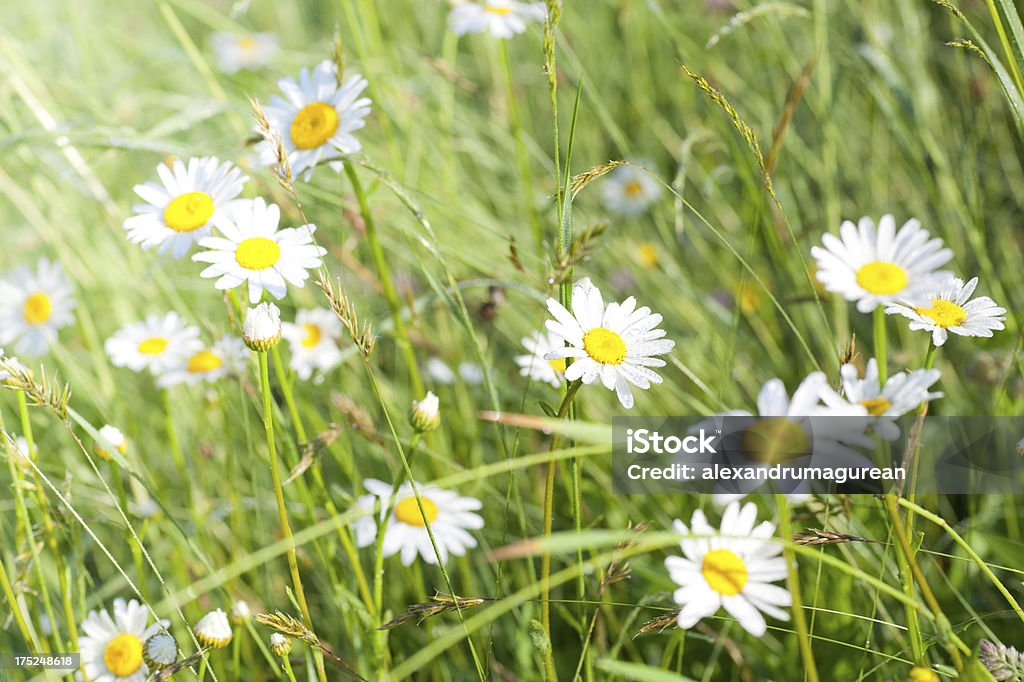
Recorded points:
(734, 567)
(34, 306)
(448, 514)
(874, 268)
(313, 339)
(500, 18)
(180, 210)
(261, 329)
(948, 307)
(534, 365)
(902, 392)
(214, 630)
(157, 344)
(317, 118)
(615, 344)
(112, 648)
(235, 52)
(439, 371)
(226, 356)
(254, 251)
(110, 436)
(629, 191)
(425, 415)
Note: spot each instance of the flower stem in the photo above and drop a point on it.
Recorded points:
(799, 622)
(881, 356)
(288, 668)
(293, 564)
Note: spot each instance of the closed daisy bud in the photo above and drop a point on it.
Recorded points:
(113, 436)
(922, 674)
(214, 630)
(280, 645)
(425, 414)
(160, 650)
(262, 327)
(240, 612)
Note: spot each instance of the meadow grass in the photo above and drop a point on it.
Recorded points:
(856, 108)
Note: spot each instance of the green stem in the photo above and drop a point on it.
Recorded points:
(293, 564)
(394, 305)
(288, 668)
(545, 560)
(799, 622)
(903, 559)
(881, 356)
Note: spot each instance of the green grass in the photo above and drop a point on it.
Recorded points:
(96, 93)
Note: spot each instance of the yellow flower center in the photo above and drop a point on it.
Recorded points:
(247, 44)
(882, 278)
(408, 511)
(123, 655)
(775, 439)
(604, 346)
(500, 11)
(189, 211)
(922, 674)
(648, 255)
(558, 364)
(153, 346)
(749, 296)
(312, 335)
(204, 361)
(725, 572)
(876, 406)
(314, 125)
(634, 189)
(944, 313)
(37, 309)
(257, 253)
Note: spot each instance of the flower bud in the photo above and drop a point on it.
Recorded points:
(262, 327)
(240, 612)
(214, 630)
(113, 436)
(160, 650)
(425, 414)
(280, 645)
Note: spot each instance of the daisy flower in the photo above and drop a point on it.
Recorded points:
(113, 436)
(449, 516)
(439, 371)
(500, 18)
(261, 329)
(425, 415)
(250, 51)
(534, 365)
(157, 344)
(313, 339)
(948, 307)
(629, 191)
(34, 306)
(902, 393)
(160, 650)
(112, 648)
(180, 209)
(615, 344)
(734, 567)
(254, 251)
(878, 267)
(214, 630)
(316, 118)
(226, 356)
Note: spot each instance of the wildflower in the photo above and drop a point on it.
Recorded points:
(179, 211)
(111, 435)
(224, 357)
(280, 645)
(500, 18)
(157, 344)
(902, 393)
(160, 650)
(630, 190)
(920, 673)
(249, 51)
(425, 414)
(112, 647)
(240, 612)
(313, 339)
(439, 371)
(1004, 662)
(615, 344)
(254, 251)
(18, 448)
(535, 366)
(948, 307)
(261, 330)
(875, 268)
(733, 567)
(449, 516)
(214, 630)
(317, 118)
(471, 373)
(34, 306)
